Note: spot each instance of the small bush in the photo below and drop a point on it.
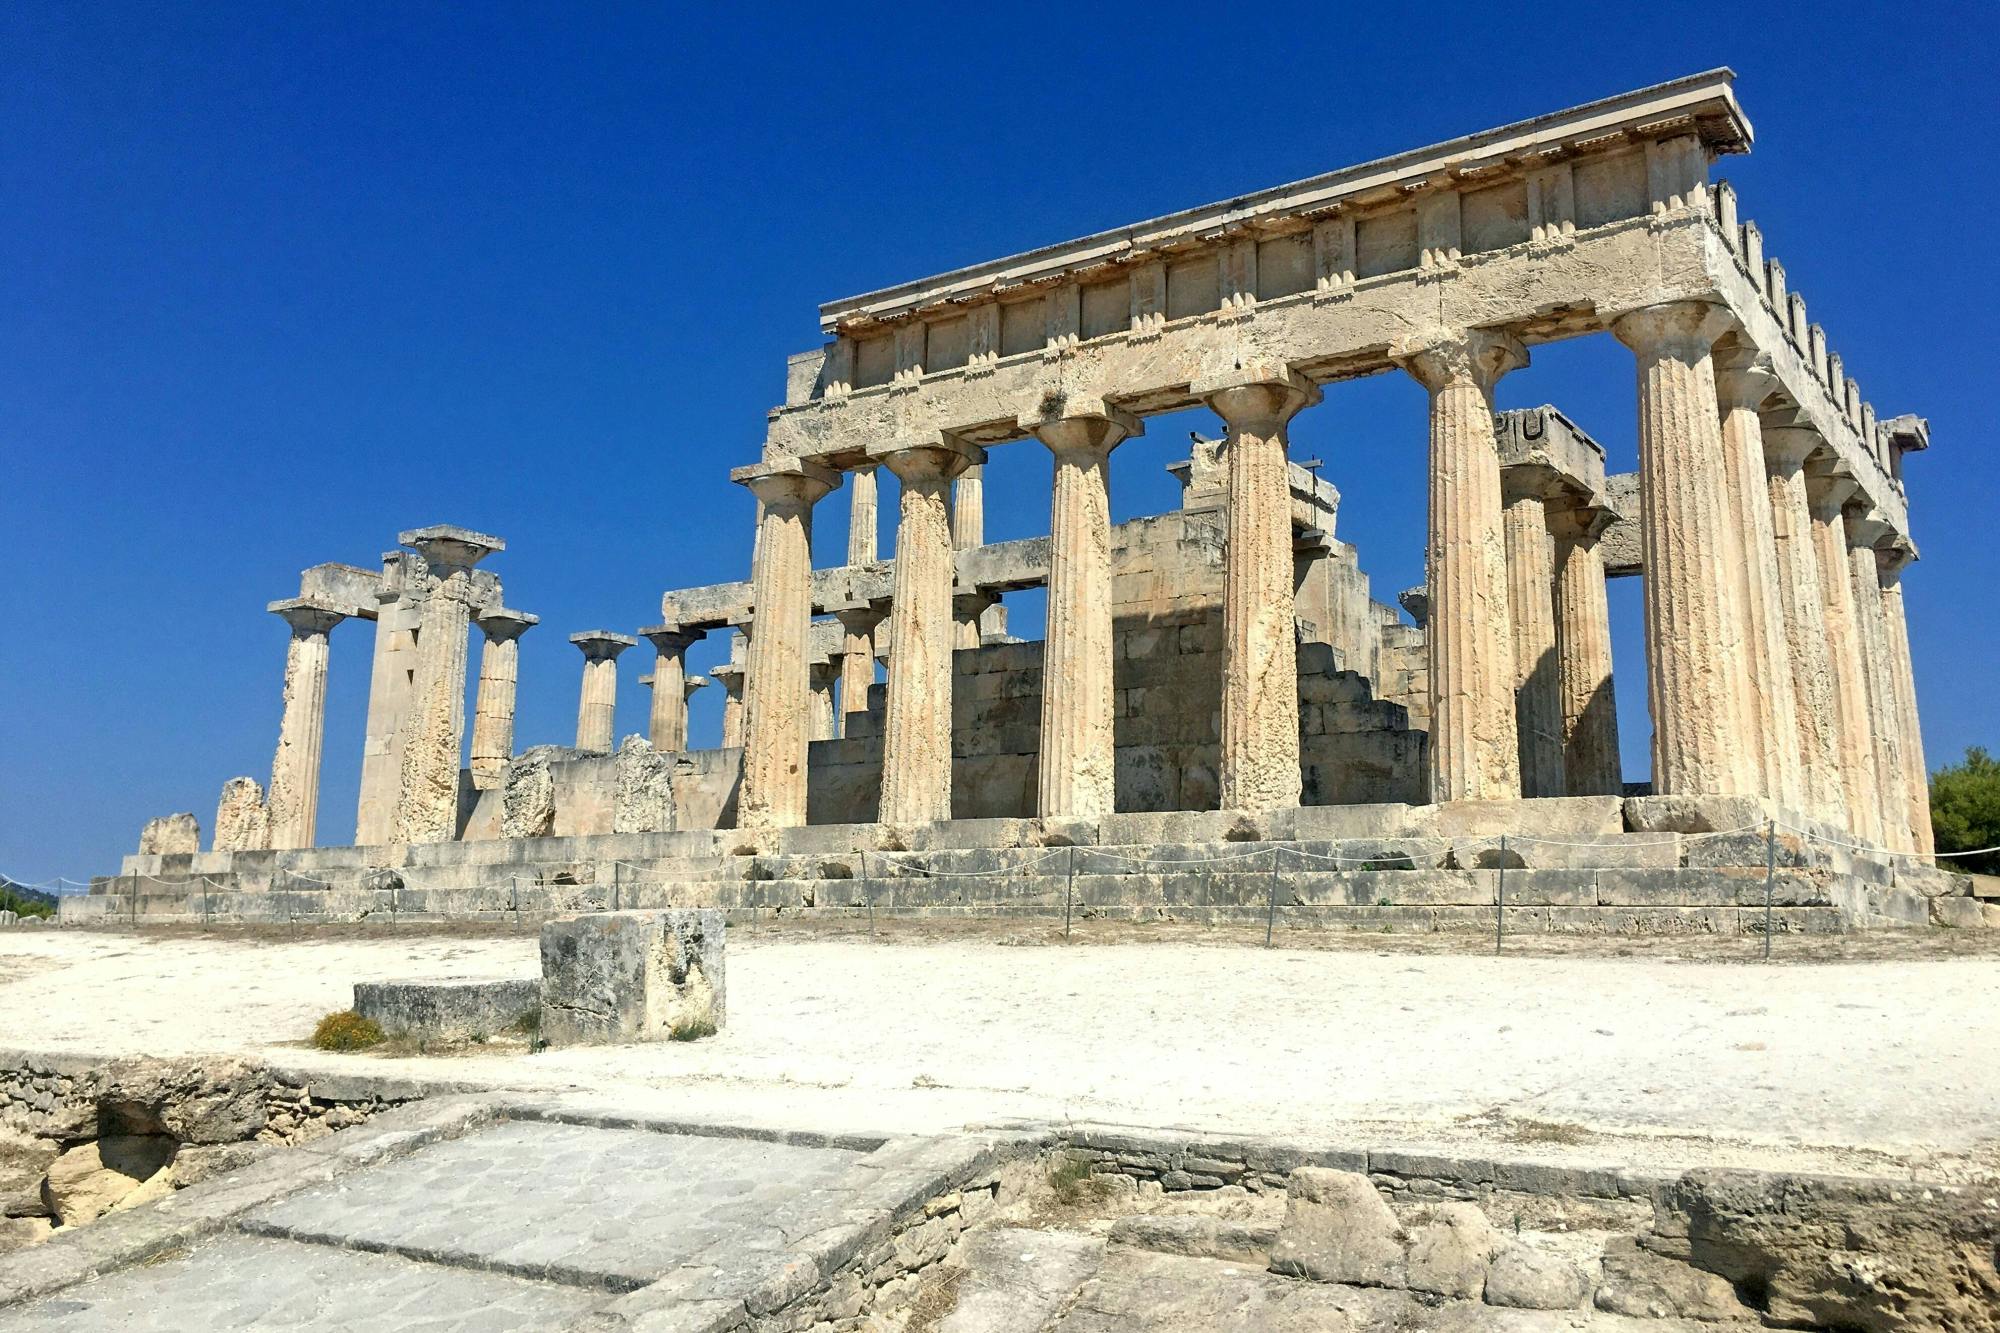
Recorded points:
(691, 1031)
(529, 1024)
(345, 1030)
(1071, 1179)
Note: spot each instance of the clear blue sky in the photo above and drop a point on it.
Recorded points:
(279, 280)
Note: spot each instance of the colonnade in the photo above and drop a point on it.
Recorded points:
(1777, 652)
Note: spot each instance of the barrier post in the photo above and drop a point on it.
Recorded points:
(1069, 890)
(1770, 873)
(1500, 900)
(1271, 913)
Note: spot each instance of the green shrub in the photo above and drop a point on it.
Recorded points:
(694, 1030)
(345, 1030)
(1071, 1180)
(1965, 811)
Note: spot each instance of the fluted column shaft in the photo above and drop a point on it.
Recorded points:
(1741, 388)
(968, 508)
(777, 722)
(667, 721)
(1475, 741)
(1884, 717)
(1916, 777)
(1260, 673)
(731, 679)
(1695, 621)
(1079, 757)
(1538, 714)
(1591, 764)
(857, 657)
(916, 741)
(862, 523)
(428, 808)
(1804, 612)
(493, 701)
(821, 677)
(292, 804)
(597, 700)
(1825, 495)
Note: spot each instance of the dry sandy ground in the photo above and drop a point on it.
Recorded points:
(1869, 1063)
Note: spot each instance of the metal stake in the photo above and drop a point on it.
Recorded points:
(1271, 915)
(1770, 872)
(1500, 900)
(1069, 890)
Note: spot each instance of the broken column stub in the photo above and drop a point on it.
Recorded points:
(617, 977)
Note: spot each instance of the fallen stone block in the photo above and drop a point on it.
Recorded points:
(1651, 1286)
(1450, 1250)
(1338, 1229)
(1524, 1278)
(614, 977)
(89, 1181)
(448, 1009)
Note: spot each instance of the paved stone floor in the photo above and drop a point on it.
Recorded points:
(612, 1208)
(245, 1282)
(518, 1225)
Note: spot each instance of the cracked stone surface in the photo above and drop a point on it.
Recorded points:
(242, 1282)
(613, 1207)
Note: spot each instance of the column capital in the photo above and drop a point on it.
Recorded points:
(670, 639)
(1789, 447)
(692, 683)
(1087, 426)
(1258, 398)
(1827, 493)
(938, 459)
(971, 602)
(601, 645)
(1584, 522)
(307, 616)
(791, 482)
(1863, 527)
(449, 545)
(1894, 556)
(500, 625)
(729, 675)
(1443, 356)
(1744, 378)
(1683, 330)
(860, 617)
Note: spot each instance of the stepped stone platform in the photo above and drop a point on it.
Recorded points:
(1573, 865)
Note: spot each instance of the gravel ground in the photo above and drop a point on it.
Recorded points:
(1875, 1054)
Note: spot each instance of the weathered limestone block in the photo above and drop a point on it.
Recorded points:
(1525, 1278)
(170, 835)
(90, 1180)
(205, 1100)
(447, 1008)
(1450, 1250)
(1338, 1229)
(645, 800)
(1645, 1285)
(240, 817)
(1830, 1252)
(614, 977)
(528, 795)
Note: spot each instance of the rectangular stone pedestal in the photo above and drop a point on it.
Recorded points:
(447, 1009)
(616, 977)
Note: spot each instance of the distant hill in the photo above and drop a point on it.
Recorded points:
(24, 901)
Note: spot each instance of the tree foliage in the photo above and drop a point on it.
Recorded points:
(1965, 810)
(24, 901)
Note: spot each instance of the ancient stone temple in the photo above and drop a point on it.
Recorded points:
(1228, 656)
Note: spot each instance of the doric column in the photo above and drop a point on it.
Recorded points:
(777, 722)
(398, 616)
(730, 677)
(667, 725)
(435, 739)
(1531, 577)
(1583, 655)
(1079, 757)
(862, 523)
(493, 702)
(968, 614)
(916, 742)
(968, 508)
(597, 701)
(1803, 610)
(1475, 746)
(1743, 381)
(1826, 493)
(820, 677)
(857, 659)
(1695, 634)
(1893, 559)
(1884, 716)
(293, 804)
